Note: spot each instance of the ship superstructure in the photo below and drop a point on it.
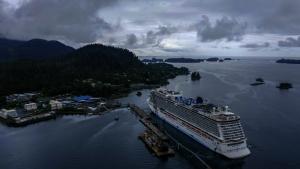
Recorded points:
(215, 127)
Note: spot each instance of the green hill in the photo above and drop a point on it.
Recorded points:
(93, 69)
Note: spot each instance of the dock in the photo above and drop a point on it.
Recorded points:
(28, 119)
(158, 141)
(154, 129)
(141, 113)
(159, 147)
(153, 137)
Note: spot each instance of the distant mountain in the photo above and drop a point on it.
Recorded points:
(93, 69)
(32, 49)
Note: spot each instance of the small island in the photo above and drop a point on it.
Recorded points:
(288, 61)
(195, 76)
(258, 81)
(285, 86)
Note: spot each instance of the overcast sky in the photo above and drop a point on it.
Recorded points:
(161, 27)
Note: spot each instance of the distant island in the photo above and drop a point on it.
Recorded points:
(191, 60)
(184, 60)
(288, 61)
(95, 70)
(214, 59)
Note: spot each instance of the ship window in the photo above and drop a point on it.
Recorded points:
(233, 144)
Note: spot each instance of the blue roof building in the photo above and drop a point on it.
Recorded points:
(82, 98)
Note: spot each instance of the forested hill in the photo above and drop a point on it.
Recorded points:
(93, 69)
(32, 49)
(104, 58)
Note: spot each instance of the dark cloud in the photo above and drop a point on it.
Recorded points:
(86, 21)
(256, 45)
(131, 40)
(154, 37)
(225, 28)
(268, 16)
(2, 11)
(174, 50)
(74, 20)
(290, 42)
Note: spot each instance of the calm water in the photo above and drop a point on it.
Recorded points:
(271, 119)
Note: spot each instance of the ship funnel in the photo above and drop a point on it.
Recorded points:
(226, 108)
(214, 109)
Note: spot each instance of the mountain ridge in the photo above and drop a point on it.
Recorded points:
(32, 49)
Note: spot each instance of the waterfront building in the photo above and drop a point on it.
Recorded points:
(30, 106)
(4, 113)
(56, 105)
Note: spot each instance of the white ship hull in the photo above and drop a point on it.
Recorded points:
(232, 152)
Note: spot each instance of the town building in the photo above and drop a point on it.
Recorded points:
(56, 105)
(4, 113)
(30, 106)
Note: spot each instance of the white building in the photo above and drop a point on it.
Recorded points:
(30, 106)
(4, 113)
(55, 105)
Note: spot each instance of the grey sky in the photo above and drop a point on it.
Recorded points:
(161, 27)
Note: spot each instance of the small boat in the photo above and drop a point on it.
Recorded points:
(139, 93)
(116, 118)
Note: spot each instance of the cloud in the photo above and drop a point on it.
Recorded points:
(131, 40)
(75, 20)
(143, 25)
(225, 28)
(267, 16)
(154, 37)
(290, 42)
(256, 45)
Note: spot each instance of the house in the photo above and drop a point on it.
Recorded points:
(4, 113)
(56, 105)
(30, 106)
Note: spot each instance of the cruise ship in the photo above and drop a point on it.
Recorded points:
(213, 126)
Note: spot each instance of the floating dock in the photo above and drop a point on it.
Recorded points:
(154, 138)
(160, 148)
(158, 141)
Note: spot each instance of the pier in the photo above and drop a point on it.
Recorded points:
(27, 119)
(154, 138)
(159, 141)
